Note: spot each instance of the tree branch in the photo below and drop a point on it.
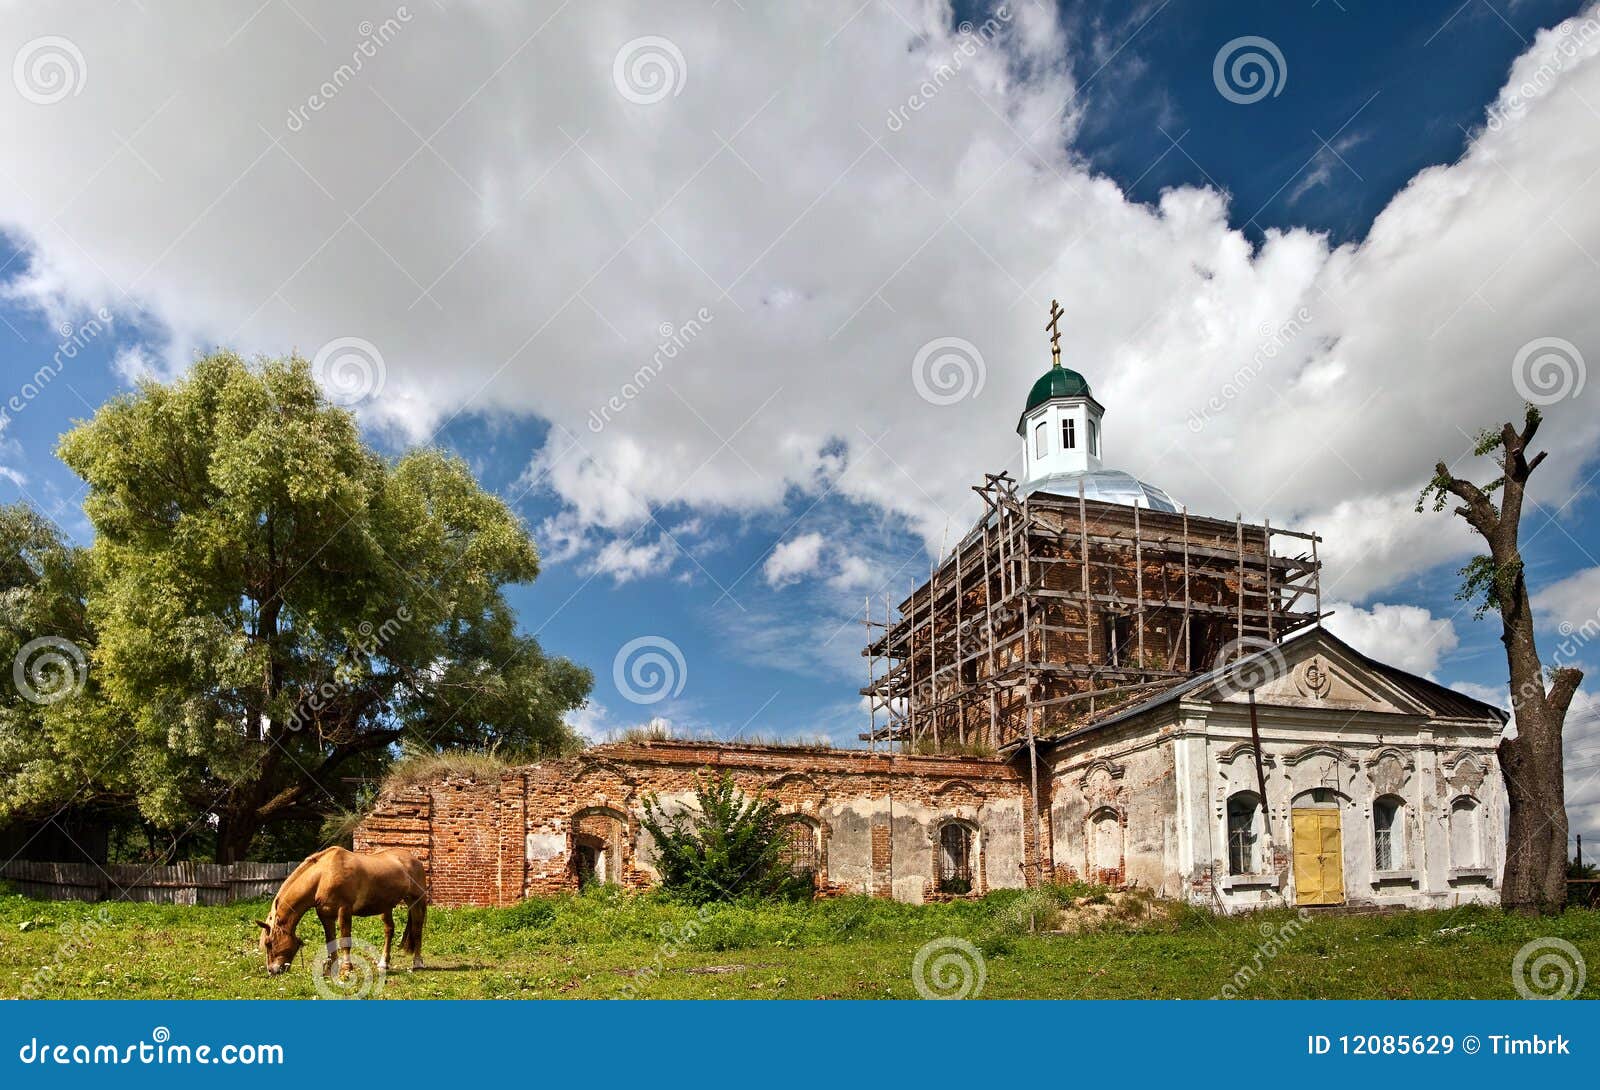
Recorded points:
(1563, 686)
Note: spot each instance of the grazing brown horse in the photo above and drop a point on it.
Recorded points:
(339, 885)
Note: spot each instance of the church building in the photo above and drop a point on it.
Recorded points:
(1094, 684)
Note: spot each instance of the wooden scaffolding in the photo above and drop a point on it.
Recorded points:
(1055, 610)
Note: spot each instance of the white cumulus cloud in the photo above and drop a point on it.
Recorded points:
(517, 233)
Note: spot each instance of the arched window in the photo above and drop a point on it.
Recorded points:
(1245, 823)
(1041, 439)
(955, 858)
(1465, 852)
(799, 854)
(1388, 834)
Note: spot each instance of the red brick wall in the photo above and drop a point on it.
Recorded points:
(495, 843)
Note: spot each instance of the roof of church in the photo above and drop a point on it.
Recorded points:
(1107, 486)
(1057, 382)
(1444, 702)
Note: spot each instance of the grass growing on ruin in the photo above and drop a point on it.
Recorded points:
(605, 944)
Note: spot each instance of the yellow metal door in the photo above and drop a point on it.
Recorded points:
(1318, 857)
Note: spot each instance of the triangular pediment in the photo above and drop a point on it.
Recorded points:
(1313, 671)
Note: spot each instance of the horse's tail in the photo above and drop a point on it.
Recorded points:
(416, 916)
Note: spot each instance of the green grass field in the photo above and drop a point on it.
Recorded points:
(607, 945)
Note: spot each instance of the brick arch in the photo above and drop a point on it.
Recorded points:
(600, 833)
(946, 868)
(817, 830)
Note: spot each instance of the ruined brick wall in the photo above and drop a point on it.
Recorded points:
(876, 818)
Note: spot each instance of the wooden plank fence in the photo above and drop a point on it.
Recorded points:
(177, 884)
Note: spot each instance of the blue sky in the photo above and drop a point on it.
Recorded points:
(514, 226)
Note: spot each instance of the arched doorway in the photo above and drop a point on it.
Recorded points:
(598, 836)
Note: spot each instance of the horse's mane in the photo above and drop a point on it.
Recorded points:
(297, 872)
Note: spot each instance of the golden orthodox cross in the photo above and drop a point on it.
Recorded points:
(1055, 333)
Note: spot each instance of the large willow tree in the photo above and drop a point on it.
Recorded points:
(271, 605)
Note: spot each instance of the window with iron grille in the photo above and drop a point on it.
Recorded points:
(799, 852)
(1387, 847)
(1244, 815)
(955, 859)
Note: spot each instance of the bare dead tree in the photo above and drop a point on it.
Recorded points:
(1531, 762)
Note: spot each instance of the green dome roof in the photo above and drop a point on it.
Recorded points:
(1056, 382)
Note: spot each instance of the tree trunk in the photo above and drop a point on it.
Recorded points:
(1535, 876)
(235, 830)
(1531, 764)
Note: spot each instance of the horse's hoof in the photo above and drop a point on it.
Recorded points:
(416, 963)
(383, 966)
